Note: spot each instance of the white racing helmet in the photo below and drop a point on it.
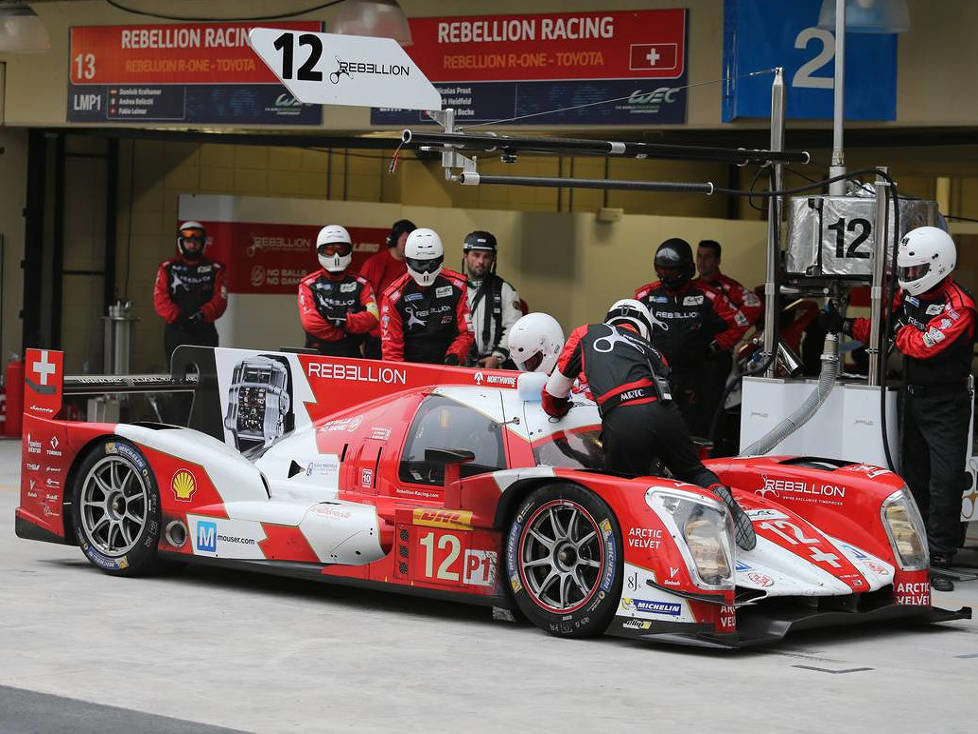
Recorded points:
(423, 255)
(926, 257)
(334, 248)
(630, 311)
(535, 342)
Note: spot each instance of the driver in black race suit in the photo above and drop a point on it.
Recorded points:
(640, 423)
(693, 321)
(425, 315)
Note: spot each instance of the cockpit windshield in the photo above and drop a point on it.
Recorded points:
(579, 449)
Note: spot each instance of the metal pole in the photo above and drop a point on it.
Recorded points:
(474, 178)
(838, 165)
(876, 292)
(774, 210)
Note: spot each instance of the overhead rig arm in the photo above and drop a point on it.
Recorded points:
(473, 178)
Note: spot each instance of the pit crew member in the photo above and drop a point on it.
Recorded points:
(190, 293)
(424, 314)
(640, 424)
(493, 303)
(934, 329)
(693, 321)
(535, 341)
(336, 308)
(384, 268)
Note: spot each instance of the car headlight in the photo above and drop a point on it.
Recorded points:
(703, 531)
(905, 528)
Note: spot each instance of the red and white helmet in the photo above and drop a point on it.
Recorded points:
(926, 257)
(424, 255)
(334, 248)
(191, 240)
(535, 342)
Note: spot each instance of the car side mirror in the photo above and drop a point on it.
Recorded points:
(451, 459)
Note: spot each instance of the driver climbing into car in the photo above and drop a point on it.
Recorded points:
(640, 423)
(424, 316)
(934, 329)
(336, 308)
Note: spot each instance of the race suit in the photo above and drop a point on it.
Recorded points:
(626, 375)
(336, 311)
(495, 306)
(426, 324)
(380, 271)
(936, 334)
(688, 325)
(190, 295)
(717, 367)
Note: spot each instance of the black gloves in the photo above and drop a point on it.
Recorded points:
(451, 359)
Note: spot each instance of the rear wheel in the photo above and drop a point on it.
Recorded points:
(564, 560)
(116, 509)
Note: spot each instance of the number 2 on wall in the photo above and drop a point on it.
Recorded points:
(804, 76)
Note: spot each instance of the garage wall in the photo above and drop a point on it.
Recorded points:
(13, 193)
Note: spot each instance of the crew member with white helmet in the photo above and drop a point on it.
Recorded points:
(336, 308)
(934, 328)
(190, 292)
(424, 314)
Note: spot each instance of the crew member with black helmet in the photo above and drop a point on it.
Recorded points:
(640, 423)
(424, 315)
(493, 303)
(384, 268)
(934, 329)
(693, 321)
(336, 308)
(190, 293)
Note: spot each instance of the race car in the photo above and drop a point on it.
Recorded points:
(454, 483)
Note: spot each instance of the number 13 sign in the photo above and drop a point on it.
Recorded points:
(760, 34)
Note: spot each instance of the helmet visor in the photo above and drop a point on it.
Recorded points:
(424, 266)
(531, 364)
(191, 235)
(913, 272)
(332, 249)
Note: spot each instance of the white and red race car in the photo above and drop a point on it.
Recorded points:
(454, 483)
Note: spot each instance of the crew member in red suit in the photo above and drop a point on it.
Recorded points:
(383, 269)
(934, 329)
(424, 315)
(337, 309)
(693, 322)
(640, 424)
(190, 293)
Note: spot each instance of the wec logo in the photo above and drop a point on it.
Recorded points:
(662, 95)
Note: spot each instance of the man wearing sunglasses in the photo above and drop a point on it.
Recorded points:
(425, 315)
(337, 309)
(190, 292)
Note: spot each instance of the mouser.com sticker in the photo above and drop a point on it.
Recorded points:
(223, 538)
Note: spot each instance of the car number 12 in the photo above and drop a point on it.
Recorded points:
(477, 566)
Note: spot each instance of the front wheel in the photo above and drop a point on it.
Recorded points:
(116, 509)
(564, 560)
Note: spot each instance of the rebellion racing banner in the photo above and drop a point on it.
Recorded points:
(268, 257)
(504, 66)
(189, 72)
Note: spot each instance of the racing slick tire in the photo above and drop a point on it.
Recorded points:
(564, 560)
(115, 506)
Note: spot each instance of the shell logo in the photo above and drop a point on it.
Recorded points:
(183, 484)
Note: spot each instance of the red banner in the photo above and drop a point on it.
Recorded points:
(183, 53)
(588, 45)
(273, 258)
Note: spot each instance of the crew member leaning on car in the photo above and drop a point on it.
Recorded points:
(693, 321)
(336, 309)
(640, 423)
(424, 314)
(934, 329)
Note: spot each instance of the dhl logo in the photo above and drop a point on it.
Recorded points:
(453, 519)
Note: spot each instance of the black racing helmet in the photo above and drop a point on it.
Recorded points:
(399, 227)
(480, 240)
(674, 263)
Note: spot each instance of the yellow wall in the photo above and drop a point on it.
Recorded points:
(13, 192)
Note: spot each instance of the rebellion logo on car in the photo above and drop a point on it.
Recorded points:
(357, 373)
(828, 494)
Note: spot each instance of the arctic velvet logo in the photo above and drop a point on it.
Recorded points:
(207, 536)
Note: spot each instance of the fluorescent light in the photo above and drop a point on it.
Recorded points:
(382, 18)
(21, 31)
(868, 16)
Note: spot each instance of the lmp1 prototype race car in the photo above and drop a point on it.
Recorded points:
(454, 483)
